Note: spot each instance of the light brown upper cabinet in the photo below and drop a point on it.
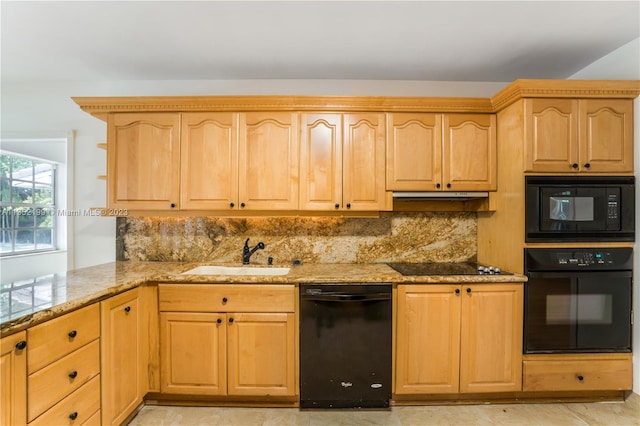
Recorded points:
(433, 152)
(578, 135)
(143, 160)
(246, 161)
(342, 162)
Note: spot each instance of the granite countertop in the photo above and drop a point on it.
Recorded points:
(29, 302)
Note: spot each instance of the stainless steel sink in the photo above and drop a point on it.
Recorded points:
(237, 270)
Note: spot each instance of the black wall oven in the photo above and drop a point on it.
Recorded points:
(579, 208)
(578, 300)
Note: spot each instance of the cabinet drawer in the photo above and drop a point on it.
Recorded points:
(226, 298)
(574, 373)
(54, 339)
(55, 381)
(76, 409)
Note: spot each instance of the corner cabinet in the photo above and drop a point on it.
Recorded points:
(342, 162)
(228, 340)
(13, 379)
(143, 161)
(448, 152)
(121, 327)
(458, 338)
(578, 135)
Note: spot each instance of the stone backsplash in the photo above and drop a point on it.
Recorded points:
(393, 237)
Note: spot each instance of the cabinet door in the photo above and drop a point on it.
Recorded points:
(143, 160)
(268, 161)
(209, 157)
(121, 356)
(428, 339)
(414, 152)
(551, 135)
(261, 351)
(193, 353)
(363, 162)
(13, 380)
(469, 152)
(491, 338)
(606, 135)
(321, 162)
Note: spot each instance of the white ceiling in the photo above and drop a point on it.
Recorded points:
(496, 41)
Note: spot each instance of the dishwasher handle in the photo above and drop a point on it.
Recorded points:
(346, 297)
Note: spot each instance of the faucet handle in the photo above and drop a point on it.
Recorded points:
(246, 243)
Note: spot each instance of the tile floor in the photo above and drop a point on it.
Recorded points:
(604, 413)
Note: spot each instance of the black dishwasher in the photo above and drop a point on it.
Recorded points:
(345, 345)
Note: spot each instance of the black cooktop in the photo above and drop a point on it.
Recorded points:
(445, 268)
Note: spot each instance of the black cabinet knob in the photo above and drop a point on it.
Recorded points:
(72, 334)
(336, 205)
(173, 205)
(438, 185)
(225, 300)
(127, 309)
(457, 291)
(219, 320)
(73, 415)
(587, 165)
(21, 345)
(242, 205)
(580, 377)
(73, 374)
(468, 290)
(448, 185)
(574, 165)
(230, 320)
(348, 205)
(232, 205)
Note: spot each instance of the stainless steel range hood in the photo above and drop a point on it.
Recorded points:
(438, 195)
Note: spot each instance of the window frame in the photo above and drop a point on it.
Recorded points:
(13, 211)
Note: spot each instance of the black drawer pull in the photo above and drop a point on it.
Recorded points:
(468, 290)
(21, 345)
(73, 333)
(73, 374)
(127, 309)
(230, 320)
(580, 377)
(457, 291)
(219, 321)
(73, 415)
(574, 166)
(225, 300)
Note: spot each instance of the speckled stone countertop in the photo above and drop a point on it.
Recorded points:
(29, 302)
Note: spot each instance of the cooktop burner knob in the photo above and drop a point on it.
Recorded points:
(497, 270)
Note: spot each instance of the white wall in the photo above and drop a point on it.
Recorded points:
(46, 107)
(624, 64)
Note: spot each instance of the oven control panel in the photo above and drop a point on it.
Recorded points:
(585, 258)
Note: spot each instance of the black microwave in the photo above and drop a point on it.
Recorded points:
(579, 208)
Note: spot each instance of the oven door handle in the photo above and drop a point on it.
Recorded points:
(579, 274)
(346, 297)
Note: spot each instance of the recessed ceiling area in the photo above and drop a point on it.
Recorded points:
(497, 41)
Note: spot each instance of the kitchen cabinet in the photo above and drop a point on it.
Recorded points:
(228, 340)
(13, 379)
(577, 372)
(121, 327)
(578, 135)
(245, 161)
(433, 152)
(342, 162)
(63, 367)
(143, 161)
(454, 338)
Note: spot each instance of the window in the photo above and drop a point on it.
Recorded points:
(27, 204)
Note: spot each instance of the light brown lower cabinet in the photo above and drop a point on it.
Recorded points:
(228, 353)
(13, 379)
(121, 330)
(577, 372)
(457, 338)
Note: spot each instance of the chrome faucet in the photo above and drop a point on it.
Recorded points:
(247, 252)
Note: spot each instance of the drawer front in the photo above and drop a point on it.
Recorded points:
(576, 375)
(54, 339)
(57, 380)
(76, 409)
(226, 298)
